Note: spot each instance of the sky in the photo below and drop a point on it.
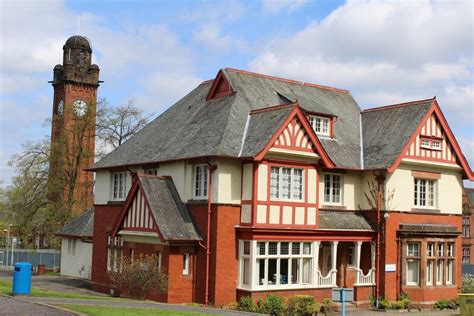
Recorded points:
(155, 52)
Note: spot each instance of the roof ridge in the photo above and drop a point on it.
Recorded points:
(273, 108)
(397, 105)
(308, 84)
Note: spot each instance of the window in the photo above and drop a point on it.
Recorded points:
(430, 250)
(432, 144)
(245, 263)
(449, 271)
(332, 189)
(450, 250)
(439, 272)
(425, 193)
(320, 125)
(119, 184)
(286, 183)
(153, 171)
(201, 175)
(439, 250)
(281, 264)
(71, 246)
(429, 272)
(350, 256)
(114, 252)
(466, 226)
(413, 264)
(466, 255)
(186, 264)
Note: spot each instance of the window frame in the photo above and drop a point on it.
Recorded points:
(291, 187)
(466, 253)
(466, 226)
(186, 263)
(119, 190)
(430, 188)
(312, 119)
(331, 195)
(428, 143)
(413, 256)
(201, 185)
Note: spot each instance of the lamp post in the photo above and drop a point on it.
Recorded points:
(7, 242)
(13, 249)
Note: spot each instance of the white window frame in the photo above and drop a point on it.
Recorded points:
(449, 271)
(430, 263)
(292, 182)
(114, 252)
(119, 186)
(439, 272)
(186, 263)
(318, 122)
(201, 185)
(410, 282)
(430, 188)
(331, 192)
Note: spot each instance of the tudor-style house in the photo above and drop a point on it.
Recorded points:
(252, 184)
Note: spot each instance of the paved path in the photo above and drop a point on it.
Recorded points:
(14, 307)
(130, 303)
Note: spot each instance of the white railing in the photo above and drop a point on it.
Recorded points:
(365, 279)
(327, 281)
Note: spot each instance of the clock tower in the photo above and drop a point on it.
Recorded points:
(75, 84)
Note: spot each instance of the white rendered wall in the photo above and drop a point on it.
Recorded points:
(449, 197)
(229, 181)
(78, 265)
(351, 190)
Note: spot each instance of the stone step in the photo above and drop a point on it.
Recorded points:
(349, 307)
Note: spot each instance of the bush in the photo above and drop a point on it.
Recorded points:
(467, 286)
(272, 305)
(247, 304)
(139, 276)
(446, 304)
(302, 305)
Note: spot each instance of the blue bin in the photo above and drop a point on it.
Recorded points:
(22, 278)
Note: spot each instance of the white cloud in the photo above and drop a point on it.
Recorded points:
(210, 36)
(383, 51)
(277, 6)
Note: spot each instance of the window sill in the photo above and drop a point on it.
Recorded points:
(425, 210)
(333, 207)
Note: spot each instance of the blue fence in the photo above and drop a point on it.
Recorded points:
(468, 269)
(49, 257)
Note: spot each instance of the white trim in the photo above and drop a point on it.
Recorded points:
(452, 165)
(186, 263)
(247, 123)
(293, 152)
(361, 142)
(312, 122)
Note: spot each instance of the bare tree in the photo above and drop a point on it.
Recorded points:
(117, 124)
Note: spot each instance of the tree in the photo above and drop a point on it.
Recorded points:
(117, 124)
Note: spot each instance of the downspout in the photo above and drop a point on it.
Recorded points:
(399, 253)
(379, 178)
(211, 169)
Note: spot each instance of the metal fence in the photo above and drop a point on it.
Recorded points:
(468, 269)
(49, 257)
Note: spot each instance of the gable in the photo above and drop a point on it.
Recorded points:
(431, 143)
(220, 87)
(138, 216)
(294, 137)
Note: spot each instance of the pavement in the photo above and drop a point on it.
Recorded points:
(11, 306)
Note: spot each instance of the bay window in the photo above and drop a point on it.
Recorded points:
(276, 264)
(332, 188)
(425, 193)
(286, 183)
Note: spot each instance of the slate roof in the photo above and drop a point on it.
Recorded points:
(470, 195)
(387, 130)
(194, 127)
(83, 226)
(172, 217)
(343, 220)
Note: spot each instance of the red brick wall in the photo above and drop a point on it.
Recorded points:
(389, 255)
(104, 219)
(468, 210)
(319, 294)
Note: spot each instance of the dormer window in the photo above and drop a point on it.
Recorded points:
(320, 125)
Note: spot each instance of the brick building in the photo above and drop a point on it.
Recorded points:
(467, 230)
(252, 184)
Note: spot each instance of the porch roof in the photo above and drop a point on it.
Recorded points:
(343, 220)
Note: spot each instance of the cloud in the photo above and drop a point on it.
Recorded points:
(210, 36)
(384, 52)
(277, 6)
(214, 11)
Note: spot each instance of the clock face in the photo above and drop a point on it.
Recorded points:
(79, 107)
(60, 107)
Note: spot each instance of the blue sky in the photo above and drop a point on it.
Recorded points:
(155, 52)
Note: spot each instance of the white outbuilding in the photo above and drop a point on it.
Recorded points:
(76, 246)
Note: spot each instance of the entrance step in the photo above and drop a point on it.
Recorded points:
(349, 306)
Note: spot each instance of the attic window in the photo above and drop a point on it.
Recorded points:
(433, 144)
(320, 125)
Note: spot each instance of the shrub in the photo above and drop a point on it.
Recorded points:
(326, 307)
(446, 304)
(467, 283)
(274, 305)
(139, 276)
(303, 305)
(247, 304)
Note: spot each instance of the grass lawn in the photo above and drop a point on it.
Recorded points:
(6, 288)
(124, 311)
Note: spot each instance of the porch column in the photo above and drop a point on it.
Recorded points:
(357, 250)
(334, 261)
(316, 273)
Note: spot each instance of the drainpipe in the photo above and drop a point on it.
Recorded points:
(379, 178)
(399, 259)
(211, 169)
